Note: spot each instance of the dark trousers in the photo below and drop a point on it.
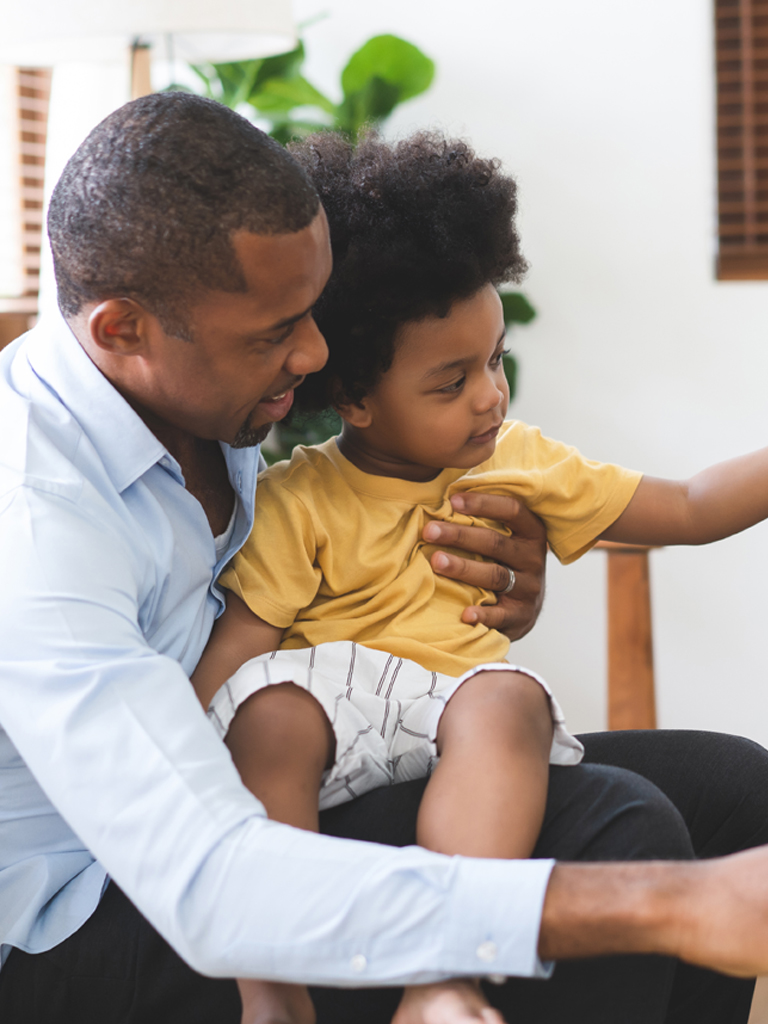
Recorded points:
(638, 796)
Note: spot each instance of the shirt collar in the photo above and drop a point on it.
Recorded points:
(124, 443)
(126, 446)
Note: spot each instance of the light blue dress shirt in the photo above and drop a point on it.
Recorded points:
(108, 766)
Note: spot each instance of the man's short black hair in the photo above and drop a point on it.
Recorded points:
(415, 225)
(147, 205)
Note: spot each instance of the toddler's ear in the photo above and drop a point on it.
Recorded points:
(356, 414)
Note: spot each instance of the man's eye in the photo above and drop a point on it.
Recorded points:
(455, 386)
(279, 338)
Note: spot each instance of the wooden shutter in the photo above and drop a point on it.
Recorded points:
(741, 37)
(34, 86)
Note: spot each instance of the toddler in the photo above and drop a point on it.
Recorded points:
(360, 670)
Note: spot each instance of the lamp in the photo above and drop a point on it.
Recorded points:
(51, 32)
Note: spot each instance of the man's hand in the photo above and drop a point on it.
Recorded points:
(525, 553)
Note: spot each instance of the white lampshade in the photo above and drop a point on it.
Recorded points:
(45, 32)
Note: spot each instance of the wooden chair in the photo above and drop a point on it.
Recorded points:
(631, 690)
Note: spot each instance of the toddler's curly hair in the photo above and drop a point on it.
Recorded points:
(415, 225)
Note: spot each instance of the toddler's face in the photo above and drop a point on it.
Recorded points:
(442, 402)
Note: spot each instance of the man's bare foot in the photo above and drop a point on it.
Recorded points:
(459, 1001)
(273, 1002)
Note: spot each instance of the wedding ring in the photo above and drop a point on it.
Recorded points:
(512, 581)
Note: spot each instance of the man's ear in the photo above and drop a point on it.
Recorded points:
(356, 414)
(119, 326)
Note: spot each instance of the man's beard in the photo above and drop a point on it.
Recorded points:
(248, 436)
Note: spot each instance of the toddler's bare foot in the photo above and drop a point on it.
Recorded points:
(273, 1002)
(459, 1001)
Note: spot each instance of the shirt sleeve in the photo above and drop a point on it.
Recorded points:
(276, 587)
(577, 498)
(115, 737)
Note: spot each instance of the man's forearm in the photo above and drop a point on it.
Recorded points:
(598, 909)
(713, 913)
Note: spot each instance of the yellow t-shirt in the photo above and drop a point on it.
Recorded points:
(336, 553)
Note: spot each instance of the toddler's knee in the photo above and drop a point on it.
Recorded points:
(502, 692)
(498, 707)
(283, 721)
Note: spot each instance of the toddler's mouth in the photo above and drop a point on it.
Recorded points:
(489, 435)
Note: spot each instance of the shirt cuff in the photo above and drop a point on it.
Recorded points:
(494, 927)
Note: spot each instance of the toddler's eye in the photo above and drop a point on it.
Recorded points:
(496, 360)
(452, 388)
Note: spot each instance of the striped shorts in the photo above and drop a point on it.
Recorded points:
(384, 711)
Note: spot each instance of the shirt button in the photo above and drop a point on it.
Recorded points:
(239, 479)
(358, 963)
(487, 952)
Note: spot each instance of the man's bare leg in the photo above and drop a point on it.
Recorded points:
(485, 799)
(281, 742)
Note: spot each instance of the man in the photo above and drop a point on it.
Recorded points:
(189, 251)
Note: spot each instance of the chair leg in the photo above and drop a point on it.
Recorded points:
(631, 693)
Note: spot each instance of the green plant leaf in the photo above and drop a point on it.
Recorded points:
(287, 93)
(517, 309)
(287, 130)
(177, 87)
(301, 428)
(282, 65)
(392, 59)
(371, 105)
(228, 83)
(207, 75)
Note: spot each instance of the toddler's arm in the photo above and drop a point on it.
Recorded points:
(716, 503)
(238, 635)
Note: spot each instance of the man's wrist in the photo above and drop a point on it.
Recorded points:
(601, 909)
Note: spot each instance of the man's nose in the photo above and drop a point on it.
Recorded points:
(309, 352)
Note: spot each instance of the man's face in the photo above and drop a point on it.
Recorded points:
(249, 349)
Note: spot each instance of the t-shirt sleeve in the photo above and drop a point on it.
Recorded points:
(576, 497)
(275, 572)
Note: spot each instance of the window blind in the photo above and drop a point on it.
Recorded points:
(32, 94)
(741, 39)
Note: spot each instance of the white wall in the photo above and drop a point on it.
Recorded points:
(605, 112)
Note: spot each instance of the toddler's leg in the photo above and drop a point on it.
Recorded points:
(281, 742)
(486, 798)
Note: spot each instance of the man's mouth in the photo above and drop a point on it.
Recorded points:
(277, 406)
(271, 408)
(276, 398)
(281, 398)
